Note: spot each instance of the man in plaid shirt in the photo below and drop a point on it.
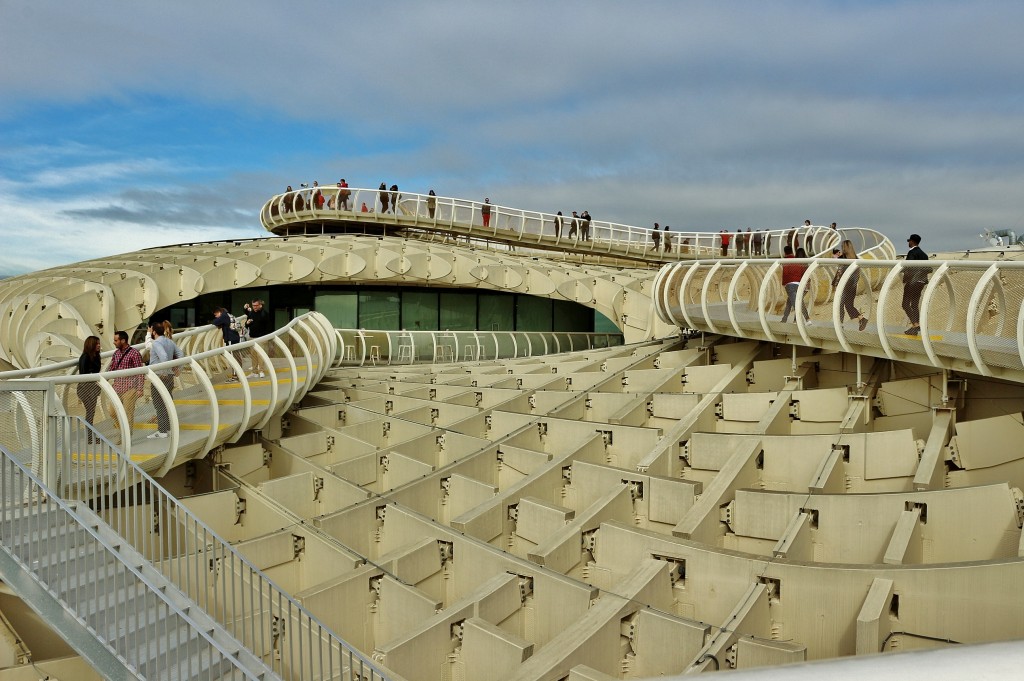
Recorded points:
(128, 388)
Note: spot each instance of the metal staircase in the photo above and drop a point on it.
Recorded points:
(102, 595)
(126, 573)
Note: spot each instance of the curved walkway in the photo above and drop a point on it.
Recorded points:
(219, 393)
(294, 213)
(971, 313)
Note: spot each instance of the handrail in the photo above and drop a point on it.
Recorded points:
(362, 346)
(196, 372)
(526, 227)
(27, 501)
(191, 555)
(969, 314)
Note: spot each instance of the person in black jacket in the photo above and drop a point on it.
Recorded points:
(258, 323)
(222, 319)
(89, 393)
(914, 280)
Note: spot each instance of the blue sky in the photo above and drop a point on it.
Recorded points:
(125, 125)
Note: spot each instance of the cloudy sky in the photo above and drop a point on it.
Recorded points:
(132, 124)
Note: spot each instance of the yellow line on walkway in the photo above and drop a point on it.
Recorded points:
(184, 426)
(105, 458)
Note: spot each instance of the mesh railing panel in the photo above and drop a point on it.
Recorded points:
(969, 312)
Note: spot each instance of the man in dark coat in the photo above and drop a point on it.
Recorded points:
(914, 280)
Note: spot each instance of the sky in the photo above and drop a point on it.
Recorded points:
(126, 125)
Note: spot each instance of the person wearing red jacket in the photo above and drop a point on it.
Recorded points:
(791, 276)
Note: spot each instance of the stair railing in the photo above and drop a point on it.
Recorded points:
(49, 547)
(204, 566)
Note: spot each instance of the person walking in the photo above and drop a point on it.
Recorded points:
(574, 225)
(656, 237)
(791, 276)
(559, 222)
(849, 292)
(914, 280)
(382, 194)
(128, 388)
(163, 350)
(89, 393)
(431, 203)
(667, 238)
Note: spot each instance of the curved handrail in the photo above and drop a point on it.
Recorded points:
(373, 346)
(970, 313)
(526, 227)
(200, 373)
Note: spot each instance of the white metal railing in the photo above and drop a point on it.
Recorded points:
(83, 568)
(448, 215)
(366, 346)
(199, 414)
(223, 582)
(971, 313)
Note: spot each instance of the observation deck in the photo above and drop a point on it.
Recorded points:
(295, 212)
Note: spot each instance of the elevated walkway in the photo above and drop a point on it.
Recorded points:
(970, 312)
(293, 213)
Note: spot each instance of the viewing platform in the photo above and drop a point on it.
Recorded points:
(297, 213)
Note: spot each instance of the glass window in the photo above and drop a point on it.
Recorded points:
(341, 307)
(419, 310)
(497, 312)
(379, 310)
(458, 310)
(533, 314)
(570, 316)
(604, 325)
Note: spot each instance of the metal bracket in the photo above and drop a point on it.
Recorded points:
(447, 551)
(239, 510)
(298, 545)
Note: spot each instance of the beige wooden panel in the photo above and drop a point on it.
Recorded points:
(984, 443)
(822, 405)
(746, 406)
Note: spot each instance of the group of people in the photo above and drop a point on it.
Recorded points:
(314, 197)
(158, 350)
(914, 281)
(579, 225)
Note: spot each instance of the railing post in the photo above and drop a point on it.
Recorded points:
(48, 437)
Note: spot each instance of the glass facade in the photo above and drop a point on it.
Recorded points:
(496, 312)
(394, 309)
(458, 310)
(420, 310)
